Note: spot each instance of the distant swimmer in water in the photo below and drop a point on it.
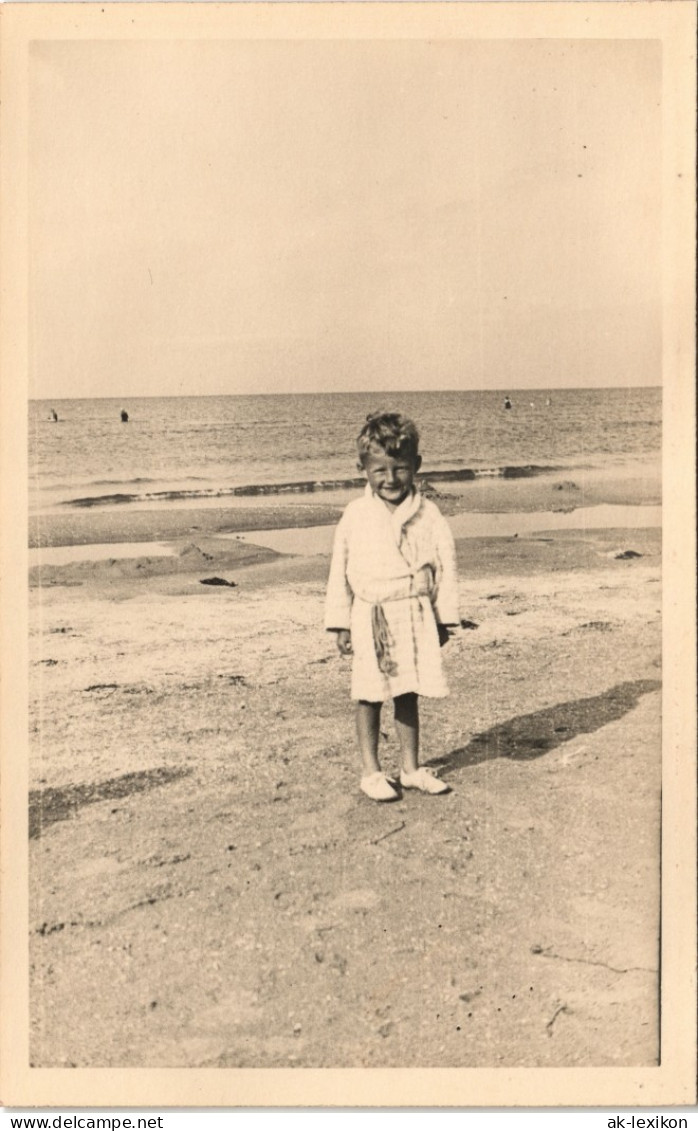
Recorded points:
(548, 402)
(124, 416)
(507, 402)
(54, 415)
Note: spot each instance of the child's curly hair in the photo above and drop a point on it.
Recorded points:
(396, 434)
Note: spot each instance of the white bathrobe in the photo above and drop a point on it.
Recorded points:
(404, 563)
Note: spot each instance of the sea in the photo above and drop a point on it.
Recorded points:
(205, 448)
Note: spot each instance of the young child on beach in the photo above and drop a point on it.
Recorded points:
(391, 596)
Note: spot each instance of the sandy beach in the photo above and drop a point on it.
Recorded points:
(208, 885)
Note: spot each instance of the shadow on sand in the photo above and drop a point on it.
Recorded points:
(528, 736)
(47, 806)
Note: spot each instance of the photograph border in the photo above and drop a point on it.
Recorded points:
(674, 1081)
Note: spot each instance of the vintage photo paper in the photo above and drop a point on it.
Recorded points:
(231, 233)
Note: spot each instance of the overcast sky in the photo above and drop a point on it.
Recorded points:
(234, 217)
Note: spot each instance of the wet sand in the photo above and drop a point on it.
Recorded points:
(628, 483)
(210, 888)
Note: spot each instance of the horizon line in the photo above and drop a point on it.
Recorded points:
(340, 392)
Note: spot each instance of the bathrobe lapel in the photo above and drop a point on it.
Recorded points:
(398, 519)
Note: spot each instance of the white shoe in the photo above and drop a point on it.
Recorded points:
(378, 788)
(424, 780)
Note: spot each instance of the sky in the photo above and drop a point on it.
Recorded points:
(279, 216)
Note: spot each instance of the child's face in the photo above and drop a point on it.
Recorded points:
(390, 477)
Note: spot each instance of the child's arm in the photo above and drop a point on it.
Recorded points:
(339, 597)
(444, 634)
(343, 641)
(446, 599)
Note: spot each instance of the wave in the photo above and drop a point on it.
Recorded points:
(306, 486)
(137, 480)
(107, 482)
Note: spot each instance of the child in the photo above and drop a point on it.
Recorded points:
(390, 596)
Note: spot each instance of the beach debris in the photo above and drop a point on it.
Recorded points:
(470, 995)
(158, 862)
(236, 680)
(191, 548)
(50, 928)
(339, 963)
(566, 485)
(623, 555)
(563, 510)
(429, 491)
(49, 663)
(390, 832)
(593, 625)
(569, 755)
(101, 687)
(468, 624)
(495, 597)
(217, 581)
(560, 1009)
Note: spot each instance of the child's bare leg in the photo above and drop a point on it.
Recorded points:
(407, 727)
(367, 731)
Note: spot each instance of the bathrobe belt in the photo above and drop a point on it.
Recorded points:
(420, 583)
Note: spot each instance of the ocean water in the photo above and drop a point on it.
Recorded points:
(191, 447)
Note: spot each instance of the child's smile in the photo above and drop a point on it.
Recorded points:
(391, 478)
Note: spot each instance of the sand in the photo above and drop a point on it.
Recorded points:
(210, 888)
